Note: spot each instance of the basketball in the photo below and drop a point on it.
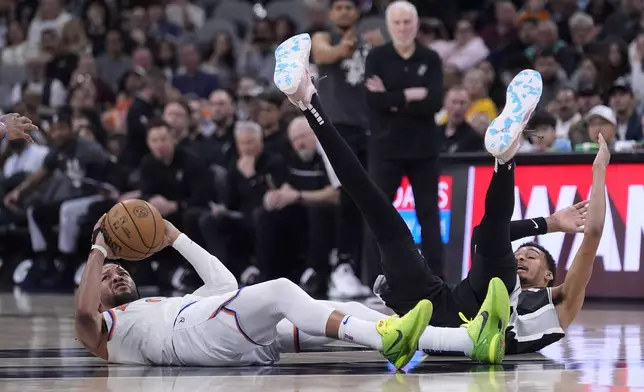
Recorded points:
(133, 230)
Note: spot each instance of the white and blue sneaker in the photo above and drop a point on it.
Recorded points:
(292, 74)
(503, 135)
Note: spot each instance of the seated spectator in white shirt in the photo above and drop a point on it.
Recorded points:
(52, 92)
(50, 15)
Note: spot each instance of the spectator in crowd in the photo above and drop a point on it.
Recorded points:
(50, 92)
(190, 79)
(504, 29)
(619, 65)
(547, 39)
(166, 57)
(97, 20)
(86, 167)
(221, 59)
(74, 39)
(625, 21)
(248, 89)
(512, 57)
(482, 109)
(159, 26)
(457, 135)
(543, 137)
(23, 160)
(467, 49)
(50, 15)
(185, 14)
(275, 138)
(586, 74)
(114, 63)
(221, 142)
(622, 102)
(229, 229)
(495, 87)
(317, 12)
(588, 96)
(87, 73)
(298, 220)
(62, 61)
(583, 35)
(340, 55)
(176, 115)
(257, 57)
(404, 81)
(174, 179)
(547, 65)
(146, 106)
(142, 60)
(567, 111)
(17, 49)
(285, 28)
(601, 119)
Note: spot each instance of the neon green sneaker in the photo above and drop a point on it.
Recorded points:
(487, 329)
(400, 335)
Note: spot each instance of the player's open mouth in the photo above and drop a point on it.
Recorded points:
(521, 268)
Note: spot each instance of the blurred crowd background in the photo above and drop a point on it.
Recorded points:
(173, 102)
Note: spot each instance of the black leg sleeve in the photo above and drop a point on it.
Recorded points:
(382, 218)
(494, 233)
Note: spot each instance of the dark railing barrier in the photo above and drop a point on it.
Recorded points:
(546, 183)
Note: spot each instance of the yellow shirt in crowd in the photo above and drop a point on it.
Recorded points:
(483, 106)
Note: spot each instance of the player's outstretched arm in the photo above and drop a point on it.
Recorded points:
(88, 320)
(567, 220)
(210, 269)
(571, 293)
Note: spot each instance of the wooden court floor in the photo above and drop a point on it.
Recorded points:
(38, 352)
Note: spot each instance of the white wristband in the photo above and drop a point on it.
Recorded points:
(100, 249)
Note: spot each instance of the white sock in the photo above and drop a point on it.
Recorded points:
(364, 333)
(436, 339)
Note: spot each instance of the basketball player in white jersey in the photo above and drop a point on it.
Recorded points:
(539, 313)
(235, 328)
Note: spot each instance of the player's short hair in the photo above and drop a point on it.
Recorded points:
(550, 261)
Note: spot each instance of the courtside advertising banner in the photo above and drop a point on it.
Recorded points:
(406, 206)
(541, 190)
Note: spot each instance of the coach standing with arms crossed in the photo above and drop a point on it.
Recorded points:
(340, 55)
(405, 89)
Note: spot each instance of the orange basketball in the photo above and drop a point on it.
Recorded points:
(133, 230)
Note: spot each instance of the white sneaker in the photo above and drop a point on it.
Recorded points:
(292, 74)
(344, 284)
(502, 138)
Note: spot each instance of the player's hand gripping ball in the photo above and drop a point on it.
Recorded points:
(133, 230)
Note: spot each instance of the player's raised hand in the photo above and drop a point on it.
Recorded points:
(603, 155)
(99, 239)
(17, 127)
(171, 233)
(570, 219)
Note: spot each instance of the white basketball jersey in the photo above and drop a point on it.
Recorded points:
(141, 332)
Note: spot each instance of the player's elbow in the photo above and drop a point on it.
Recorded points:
(593, 231)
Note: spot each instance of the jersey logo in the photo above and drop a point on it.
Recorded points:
(422, 69)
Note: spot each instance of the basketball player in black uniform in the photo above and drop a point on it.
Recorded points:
(527, 273)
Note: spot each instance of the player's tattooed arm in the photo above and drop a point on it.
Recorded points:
(570, 294)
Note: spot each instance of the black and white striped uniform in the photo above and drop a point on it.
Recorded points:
(534, 323)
